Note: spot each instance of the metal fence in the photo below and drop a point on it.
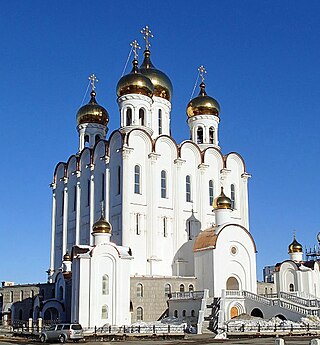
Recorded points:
(258, 328)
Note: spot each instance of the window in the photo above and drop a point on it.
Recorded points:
(86, 140)
(181, 287)
(211, 135)
(141, 117)
(20, 314)
(189, 230)
(105, 284)
(104, 312)
(21, 295)
(200, 135)
(163, 184)
(138, 230)
(97, 138)
(291, 287)
(233, 196)
(139, 314)
(62, 202)
(139, 290)
(11, 296)
(160, 121)
(188, 188)
(211, 190)
(88, 193)
(74, 198)
(175, 313)
(193, 313)
(128, 116)
(167, 290)
(102, 186)
(32, 294)
(119, 180)
(60, 293)
(137, 176)
(191, 288)
(184, 313)
(165, 230)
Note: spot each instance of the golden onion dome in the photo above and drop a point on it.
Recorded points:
(102, 226)
(162, 84)
(222, 201)
(67, 257)
(92, 112)
(203, 104)
(135, 82)
(295, 246)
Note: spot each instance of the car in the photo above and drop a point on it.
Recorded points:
(62, 332)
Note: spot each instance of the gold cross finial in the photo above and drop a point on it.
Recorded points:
(93, 79)
(135, 45)
(147, 34)
(294, 234)
(202, 72)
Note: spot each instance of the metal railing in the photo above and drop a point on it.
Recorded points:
(187, 295)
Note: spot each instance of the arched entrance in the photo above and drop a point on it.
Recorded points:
(257, 312)
(51, 314)
(281, 317)
(234, 312)
(232, 284)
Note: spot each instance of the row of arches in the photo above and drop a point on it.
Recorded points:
(200, 135)
(141, 118)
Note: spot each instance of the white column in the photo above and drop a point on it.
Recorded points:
(107, 190)
(201, 191)
(244, 200)
(53, 229)
(91, 203)
(65, 218)
(78, 210)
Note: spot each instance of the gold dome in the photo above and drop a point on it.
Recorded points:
(92, 112)
(102, 226)
(135, 82)
(67, 257)
(295, 246)
(161, 82)
(203, 104)
(222, 201)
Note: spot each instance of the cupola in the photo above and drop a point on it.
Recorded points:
(101, 226)
(222, 201)
(295, 250)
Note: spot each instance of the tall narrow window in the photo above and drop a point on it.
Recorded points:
(160, 121)
(137, 176)
(119, 180)
(139, 314)
(191, 288)
(60, 293)
(200, 135)
(165, 226)
(167, 290)
(141, 117)
(128, 117)
(102, 186)
(188, 188)
(88, 193)
(74, 197)
(291, 287)
(21, 295)
(138, 230)
(189, 230)
(139, 290)
(62, 202)
(163, 184)
(181, 287)
(233, 196)
(97, 138)
(211, 193)
(86, 140)
(11, 296)
(104, 312)
(211, 135)
(105, 284)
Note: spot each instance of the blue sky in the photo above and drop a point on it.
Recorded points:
(263, 63)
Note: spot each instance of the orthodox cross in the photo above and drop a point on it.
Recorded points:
(135, 46)
(93, 79)
(147, 34)
(102, 209)
(202, 72)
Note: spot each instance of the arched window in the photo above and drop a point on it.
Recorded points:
(193, 313)
(141, 117)
(199, 135)
(128, 117)
(60, 293)
(139, 314)
(184, 313)
(137, 177)
(188, 188)
(167, 290)
(165, 230)
(86, 140)
(138, 230)
(104, 312)
(119, 180)
(21, 295)
(160, 121)
(97, 138)
(163, 184)
(103, 186)
(211, 193)
(175, 313)
(211, 135)
(291, 287)
(232, 284)
(191, 287)
(181, 287)
(105, 284)
(233, 196)
(139, 290)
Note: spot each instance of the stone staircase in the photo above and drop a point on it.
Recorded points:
(210, 323)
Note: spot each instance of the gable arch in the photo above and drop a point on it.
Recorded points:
(237, 158)
(189, 145)
(138, 132)
(59, 171)
(214, 152)
(166, 140)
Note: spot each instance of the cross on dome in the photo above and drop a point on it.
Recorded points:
(93, 79)
(147, 35)
(135, 45)
(202, 72)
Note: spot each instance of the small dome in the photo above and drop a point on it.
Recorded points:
(92, 112)
(203, 104)
(134, 82)
(102, 226)
(67, 257)
(161, 82)
(222, 201)
(295, 246)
